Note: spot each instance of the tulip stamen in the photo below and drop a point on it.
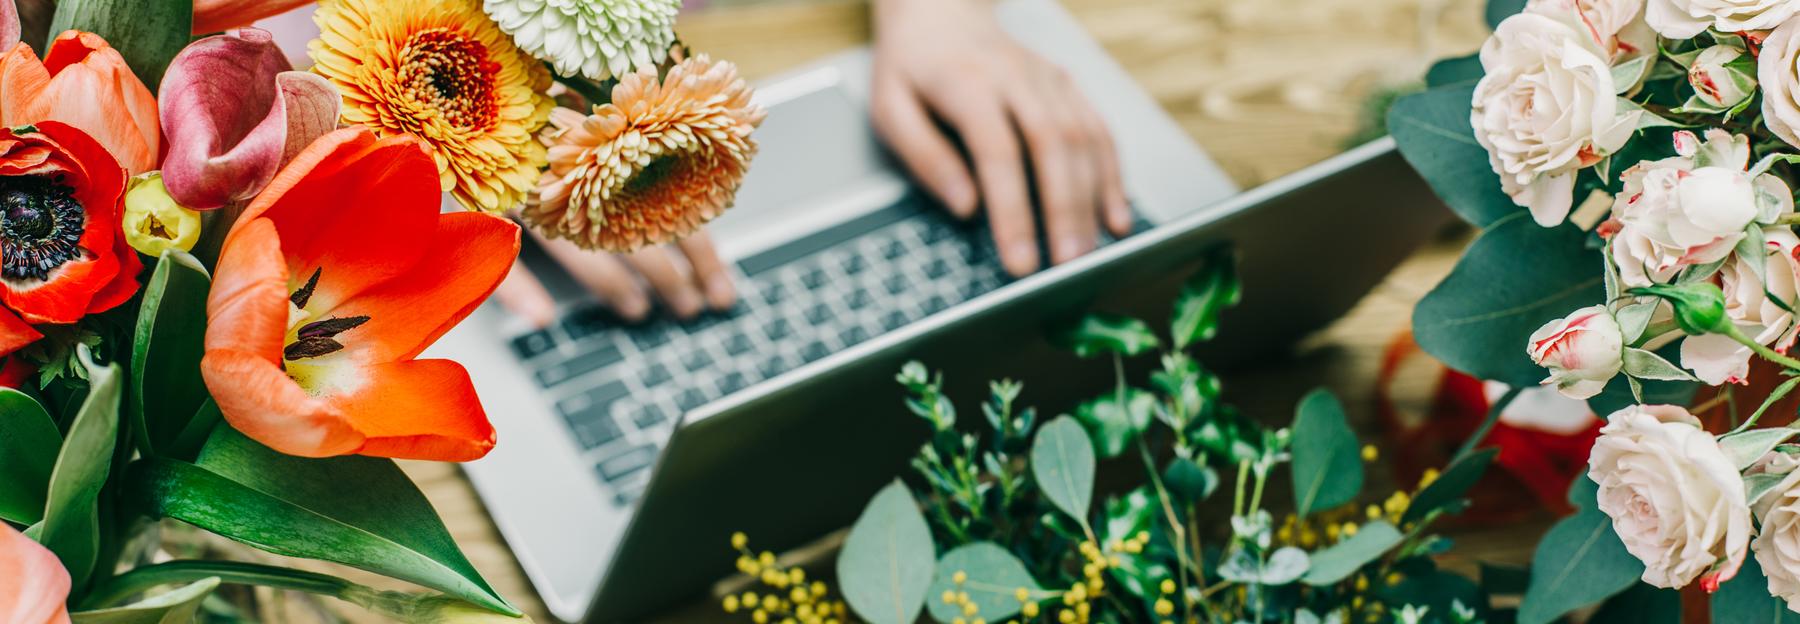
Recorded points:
(304, 294)
(41, 223)
(311, 348)
(331, 327)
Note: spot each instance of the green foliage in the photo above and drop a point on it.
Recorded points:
(1450, 486)
(1578, 563)
(1327, 465)
(1062, 463)
(1644, 604)
(1498, 10)
(992, 580)
(1115, 420)
(71, 525)
(177, 606)
(148, 33)
(1338, 562)
(166, 389)
(28, 446)
(1433, 133)
(887, 562)
(1454, 72)
(358, 511)
(1203, 297)
(1098, 333)
(1746, 598)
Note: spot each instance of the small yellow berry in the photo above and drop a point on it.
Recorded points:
(1030, 610)
(1349, 529)
(959, 577)
(739, 540)
(766, 558)
(1394, 578)
(1164, 607)
(1362, 583)
(978, 621)
(1082, 610)
(1065, 616)
(959, 621)
(962, 597)
(1431, 474)
(949, 597)
(796, 576)
(1369, 453)
(1134, 547)
(1374, 512)
(799, 595)
(750, 600)
(970, 609)
(1023, 594)
(818, 589)
(731, 604)
(1168, 586)
(788, 621)
(759, 616)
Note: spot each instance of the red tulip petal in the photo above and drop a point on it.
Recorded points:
(420, 409)
(216, 15)
(64, 297)
(15, 333)
(259, 399)
(469, 256)
(36, 584)
(228, 103)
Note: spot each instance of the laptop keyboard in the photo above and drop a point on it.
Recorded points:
(620, 388)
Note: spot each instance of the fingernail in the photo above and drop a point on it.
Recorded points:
(1020, 258)
(685, 303)
(959, 196)
(720, 293)
(632, 308)
(1070, 247)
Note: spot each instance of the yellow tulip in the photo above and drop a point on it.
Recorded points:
(154, 223)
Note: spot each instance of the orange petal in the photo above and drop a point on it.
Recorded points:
(23, 81)
(422, 409)
(36, 584)
(216, 15)
(92, 89)
(15, 333)
(259, 399)
(247, 309)
(469, 256)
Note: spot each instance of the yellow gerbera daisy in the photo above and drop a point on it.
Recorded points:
(443, 71)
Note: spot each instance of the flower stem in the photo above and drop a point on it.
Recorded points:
(1771, 355)
(1487, 424)
(143, 579)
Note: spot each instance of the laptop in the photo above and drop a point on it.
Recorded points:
(628, 454)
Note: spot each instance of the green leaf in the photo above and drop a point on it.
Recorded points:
(1641, 604)
(1130, 514)
(1454, 72)
(1203, 297)
(1617, 394)
(1646, 365)
(1117, 419)
(71, 526)
(1062, 462)
(1432, 131)
(1746, 598)
(994, 577)
(1759, 485)
(148, 33)
(887, 562)
(1328, 469)
(359, 511)
(1450, 486)
(1578, 563)
(1499, 10)
(174, 607)
(1346, 557)
(1106, 333)
(1513, 279)
(1747, 447)
(1190, 482)
(28, 444)
(1438, 591)
(166, 388)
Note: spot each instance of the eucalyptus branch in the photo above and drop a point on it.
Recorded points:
(1487, 424)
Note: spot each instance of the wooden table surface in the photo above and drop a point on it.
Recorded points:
(1266, 87)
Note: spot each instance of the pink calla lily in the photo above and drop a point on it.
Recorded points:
(10, 28)
(233, 111)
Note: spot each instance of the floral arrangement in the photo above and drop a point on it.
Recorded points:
(1002, 525)
(1631, 166)
(217, 273)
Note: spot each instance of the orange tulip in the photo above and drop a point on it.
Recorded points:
(83, 82)
(36, 585)
(333, 280)
(211, 16)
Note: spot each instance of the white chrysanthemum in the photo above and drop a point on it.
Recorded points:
(597, 39)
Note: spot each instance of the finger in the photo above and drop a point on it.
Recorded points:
(994, 146)
(906, 127)
(1058, 143)
(603, 275)
(523, 295)
(710, 273)
(1113, 203)
(672, 284)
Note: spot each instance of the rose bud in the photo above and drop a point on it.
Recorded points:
(1699, 306)
(1582, 351)
(1723, 77)
(154, 222)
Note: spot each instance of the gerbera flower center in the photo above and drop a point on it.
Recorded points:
(449, 72)
(40, 226)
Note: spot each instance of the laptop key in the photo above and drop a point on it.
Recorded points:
(738, 344)
(625, 463)
(593, 427)
(654, 375)
(778, 329)
(813, 279)
(774, 293)
(690, 399)
(855, 264)
(813, 351)
(733, 382)
(935, 303)
(595, 358)
(894, 249)
(650, 337)
(819, 313)
(893, 320)
(853, 335)
(938, 268)
(531, 345)
(696, 359)
(647, 416)
(772, 366)
(859, 299)
(895, 284)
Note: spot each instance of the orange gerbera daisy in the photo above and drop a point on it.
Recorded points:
(333, 280)
(441, 70)
(652, 166)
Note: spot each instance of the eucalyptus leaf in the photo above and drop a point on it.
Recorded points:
(1346, 557)
(166, 389)
(1327, 468)
(1641, 604)
(1580, 562)
(1628, 74)
(147, 33)
(177, 606)
(1746, 447)
(1062, 462)
(1513, 279)
(1455, 71)
(1433, 133)
(1450, 486)
(1759, 485)
(1285, 565)
(358, 511)
(993, 580)
(888, 560)
(1190, 481)
(1646, 365)
(28, 445)
(71, 525)
(1116, 419)
(1100, 333)
(1746, 598)
(1499, 10)
(1203, 297)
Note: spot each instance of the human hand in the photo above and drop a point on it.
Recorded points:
(950, 60)
(687, 277)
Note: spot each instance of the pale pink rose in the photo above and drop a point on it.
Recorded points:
(1690, 209)
(1682, 19)
(1618, 26)
(33, 583)
(1778, 73)
(1717, 83)
(1759, 308)
(1777, 545)
(1675, 499)
(1582, 351)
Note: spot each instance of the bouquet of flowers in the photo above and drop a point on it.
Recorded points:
(1631, 165)
(217, 273)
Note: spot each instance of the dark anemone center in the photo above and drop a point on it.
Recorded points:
(40, 224)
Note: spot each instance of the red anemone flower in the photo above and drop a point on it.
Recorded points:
(62, 255)
(333, 280)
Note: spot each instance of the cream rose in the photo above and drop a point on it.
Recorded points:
(1545, 109)
(1675, 499)
(1777, 545)
(1717, 81)
(1618, 26)
(1690, 209)
(1682, 19)
(1582, 351)
(1776, 70)
(1759, 308)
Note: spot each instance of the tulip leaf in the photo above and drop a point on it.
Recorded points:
(28, 444)
(1346, 557)
(1062, 462)
(887, 562)
(1578, 563)
(1106, 333)
(71, 525)
(358, 511)
(1513, 279)
(1450, 486)
(1746, 598)
(166, 387)
(992, 579)
(1203, 297)
(178, 606)
(1433, 133)
(1328, 469)
(148, 33)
